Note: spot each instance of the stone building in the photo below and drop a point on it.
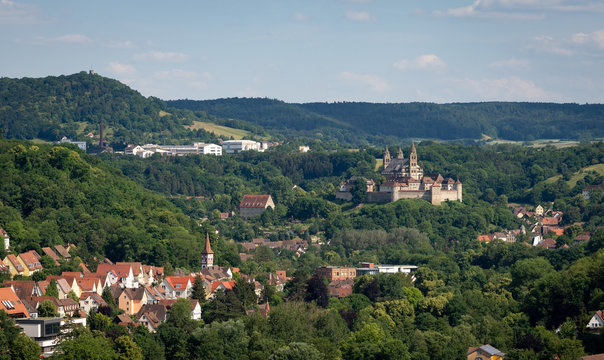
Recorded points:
(405, 179)
(255, 205)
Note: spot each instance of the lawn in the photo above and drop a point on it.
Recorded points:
(220, 130)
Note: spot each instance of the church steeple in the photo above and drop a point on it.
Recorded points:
(207, 255)
(387, 158)
(400, 153)
(413, 168)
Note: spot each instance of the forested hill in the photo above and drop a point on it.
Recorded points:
(73, 106)
(52, 195)
(372, 122)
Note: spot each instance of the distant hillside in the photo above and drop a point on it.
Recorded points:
(73, 105)
(52, 195)
(374, 122)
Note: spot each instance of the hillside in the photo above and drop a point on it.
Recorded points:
(379, 123)
(74, 105)
(53, 195)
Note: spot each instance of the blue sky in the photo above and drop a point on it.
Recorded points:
(317, 50)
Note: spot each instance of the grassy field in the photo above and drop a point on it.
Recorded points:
(599, 168)
(535, 144)
(163, 113)
(220, 130)
(378, 163)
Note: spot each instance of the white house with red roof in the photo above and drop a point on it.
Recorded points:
(174, 287)
(596, 323)
(123, 273)
(90, 301)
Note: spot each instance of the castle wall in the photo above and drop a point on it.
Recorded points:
(344, 195)
(379, 197)
(411, 194)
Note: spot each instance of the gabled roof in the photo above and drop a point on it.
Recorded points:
(11, 304)
(136, 266)
(134, 294)
(63, 251)
(488, 349)
(15, 262)
(154, 292)
(592, 357)
(183, 281)
(3, 233)
(228, 285)
(550, 220)
(49, 252)
(31, 259)
(254, 201)
(22, 288)
(118, 270)
(94, 297)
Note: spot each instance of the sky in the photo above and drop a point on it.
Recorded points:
(385, 51)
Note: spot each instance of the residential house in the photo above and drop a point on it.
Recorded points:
(123, 274)
(584, 237)
(486, 238)
(131, 300)
(24, 288)
(548, 243)
(3, 267)
(90, 284)
(137, 271)
(124, 320)
(15, 267)
(32, 303)
(52, 254)
(151, 316)
(68, 307)
(6, 239)
(484, 352)
(222, 285)
(12, 304)
(63, 251)
(31, 261)
(174, 287)
(215, 272)
(255, 205)
(596, 323)
(154, 294)
(91, 301)
(550, 221)
(539, 210)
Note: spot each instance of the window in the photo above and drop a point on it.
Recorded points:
(51, 329)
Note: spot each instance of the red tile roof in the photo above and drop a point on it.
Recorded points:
(16, 264)
(11, 304)
(550, 220)
(31, 260)
(254, 201)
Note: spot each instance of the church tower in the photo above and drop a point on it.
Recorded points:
(387, 158)
(413, 162)
(207, 255)
(400, 153)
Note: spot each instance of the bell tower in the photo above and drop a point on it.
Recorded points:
(207, 255)
(413, 163)
(387, 158)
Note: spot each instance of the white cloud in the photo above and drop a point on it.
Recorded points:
(121, 69)
(596, 38)
(504, 89)
(162, 56)
(485, 9)
(374, 82)
(547, 44)
(65, 39)
(13, 13)
(300, 17)
(424, 62)
(510, 63)
(359, 16)
(120, 44)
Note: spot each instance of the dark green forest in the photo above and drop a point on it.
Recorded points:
(355, 123)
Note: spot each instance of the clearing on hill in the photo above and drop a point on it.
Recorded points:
(220, 130)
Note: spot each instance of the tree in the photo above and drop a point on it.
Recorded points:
(180, 315)
(245, 292)
(199, 292)
(86, 346)
(296, 351)
(359, 190)
(52, 289)
(47, 309)
(13, 343)
(317, 291)
(125, 348)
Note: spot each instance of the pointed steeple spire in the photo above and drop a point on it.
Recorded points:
(400, 153)
(207, 255)
(413, 147)
(207, 249)
(387, 158)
